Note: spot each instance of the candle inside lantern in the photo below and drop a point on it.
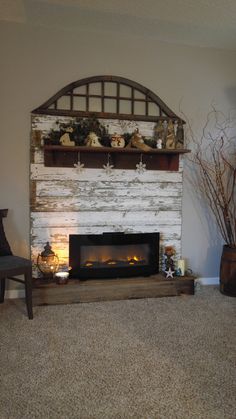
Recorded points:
(181, 266)
(62, 277)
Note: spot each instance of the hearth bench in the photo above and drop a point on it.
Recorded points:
(47, 292)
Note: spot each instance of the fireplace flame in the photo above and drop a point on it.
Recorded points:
(88, 264)
(129, 260)
(133, 260)
(111, 262)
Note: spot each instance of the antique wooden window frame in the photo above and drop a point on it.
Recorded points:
(50, 107)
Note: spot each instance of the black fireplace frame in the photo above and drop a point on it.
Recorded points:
(112, 239)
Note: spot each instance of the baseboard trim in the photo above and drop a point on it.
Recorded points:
(208, 281)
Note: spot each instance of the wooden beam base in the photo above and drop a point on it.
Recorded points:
(76, 291)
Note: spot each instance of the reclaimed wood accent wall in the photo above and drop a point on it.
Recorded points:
(65, 202)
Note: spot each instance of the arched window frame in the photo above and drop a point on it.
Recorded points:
(51, 107)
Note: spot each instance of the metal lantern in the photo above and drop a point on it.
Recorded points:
(47, 261)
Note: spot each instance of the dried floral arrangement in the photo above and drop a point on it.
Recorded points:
(213, 159)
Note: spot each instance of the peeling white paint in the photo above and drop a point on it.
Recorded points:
(65, 202)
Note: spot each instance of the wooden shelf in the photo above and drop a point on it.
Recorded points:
(84, 149)
(121, 158)
(111, 289)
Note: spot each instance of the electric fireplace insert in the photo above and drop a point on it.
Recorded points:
(113, 255)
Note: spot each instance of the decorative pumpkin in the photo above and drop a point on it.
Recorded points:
(117, 141)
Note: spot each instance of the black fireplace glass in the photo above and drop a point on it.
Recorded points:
(113, 255)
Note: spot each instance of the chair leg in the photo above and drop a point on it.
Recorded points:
(2, 289)
(28, 294)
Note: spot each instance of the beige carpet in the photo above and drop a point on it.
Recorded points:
(151, 358)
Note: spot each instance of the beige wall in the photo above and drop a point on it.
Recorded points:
(37, 61)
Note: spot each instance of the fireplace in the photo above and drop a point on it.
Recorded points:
(113, 255)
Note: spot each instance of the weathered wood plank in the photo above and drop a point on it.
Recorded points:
(61, 234)
(122, 218)
(36, 138)
(38, 156)
(32, 193)
(105, 188)
(111, 289)
(41, 172)
(107, 203)
(47, 122)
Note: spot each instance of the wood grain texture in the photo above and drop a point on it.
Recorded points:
(65, 202)
(41, 172)
(111, 289)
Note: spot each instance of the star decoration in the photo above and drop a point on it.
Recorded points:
(141, 167)
(169, 273)
(79, 167)
(108, 168)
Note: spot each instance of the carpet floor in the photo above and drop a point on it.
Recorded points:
(157, 358)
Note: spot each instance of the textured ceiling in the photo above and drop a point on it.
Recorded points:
(206, 23)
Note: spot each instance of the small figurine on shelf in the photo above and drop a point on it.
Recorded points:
(170, 138)
(159, 143)
(65, 138)
(117, 141)
(159, 133)
(169, 261)
(137, 141)
(92, 140)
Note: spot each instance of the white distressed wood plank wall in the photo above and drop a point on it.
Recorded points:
(64, 202)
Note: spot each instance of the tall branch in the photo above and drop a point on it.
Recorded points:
(213, 158)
